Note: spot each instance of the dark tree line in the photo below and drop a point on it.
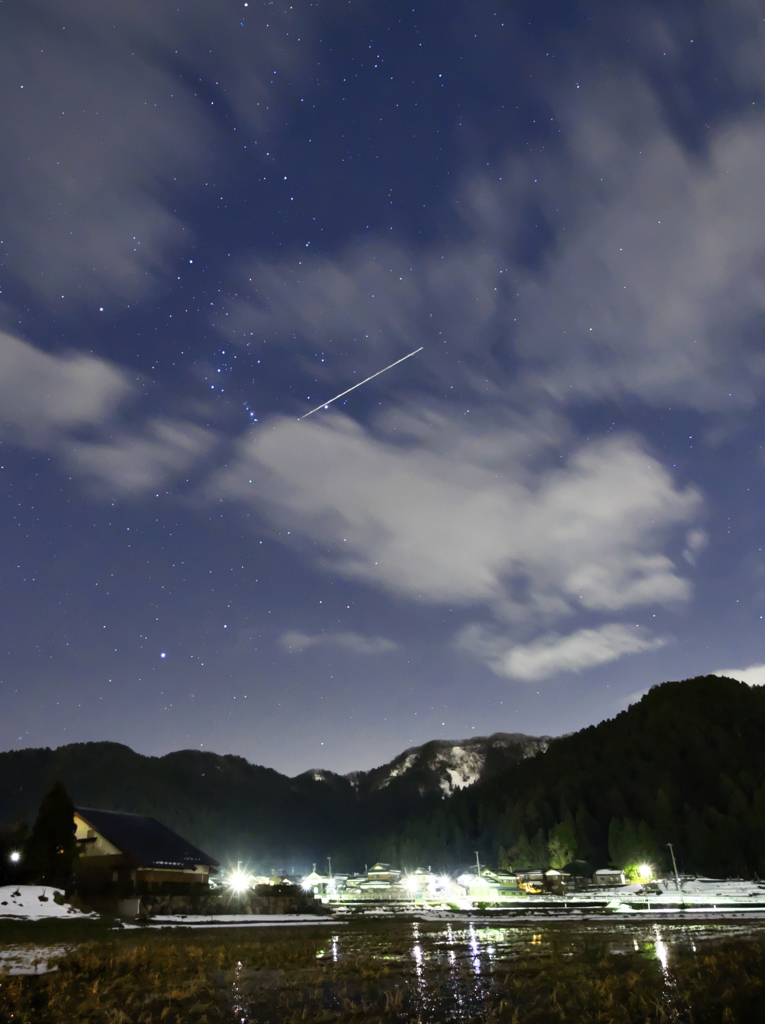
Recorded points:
(685, 765)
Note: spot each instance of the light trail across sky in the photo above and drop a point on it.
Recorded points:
(325, 404)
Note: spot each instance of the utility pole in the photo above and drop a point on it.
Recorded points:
(674, 865)
(329, 862)
(477, 864)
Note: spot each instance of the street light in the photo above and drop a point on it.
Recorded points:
(674, 865)
(15, 857)
(239, 880)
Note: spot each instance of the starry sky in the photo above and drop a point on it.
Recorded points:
(215, 216)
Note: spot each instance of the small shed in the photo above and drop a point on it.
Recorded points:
(134, 854)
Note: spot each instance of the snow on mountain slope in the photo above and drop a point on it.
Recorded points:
(440, 766)
(448, 765)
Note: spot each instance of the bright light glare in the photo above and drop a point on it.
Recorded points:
(15, 856)
(412, 884)
(644, 870)
(238, 881)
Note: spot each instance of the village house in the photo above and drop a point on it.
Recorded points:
(608, 876)
(132, 854)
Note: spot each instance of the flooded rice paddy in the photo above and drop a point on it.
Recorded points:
(360, 971)
(474, 972)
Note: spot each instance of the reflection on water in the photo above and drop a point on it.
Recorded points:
(456, 971)
(417, 953)
(474, 948)
(661, 949)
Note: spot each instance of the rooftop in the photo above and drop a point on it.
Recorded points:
(150, 843)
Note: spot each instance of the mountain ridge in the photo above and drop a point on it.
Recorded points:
(235, 809)
(684, 765)
(466, 766)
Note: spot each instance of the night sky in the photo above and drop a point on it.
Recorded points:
(215, 216)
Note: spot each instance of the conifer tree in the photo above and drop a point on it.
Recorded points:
(52, 845)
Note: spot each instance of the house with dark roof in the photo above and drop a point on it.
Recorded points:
(133, 853)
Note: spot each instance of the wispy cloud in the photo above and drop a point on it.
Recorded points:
(552, 654)
(353, 642)
(467, 522)
(671, 245)
(47, 400)
(442, 525)
(42, 395)
(133, 463)
(114, 113)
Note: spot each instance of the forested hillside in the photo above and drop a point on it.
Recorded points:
(235, 810)
(685, 765)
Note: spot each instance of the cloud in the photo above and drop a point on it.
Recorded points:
(134, 463)
(651, 285)
(695, 542)
(462, 519)
(111, 118)
(551, 654)
(42, 395)
(671, 245)
(753, 676)
(47, 400)
(354, 642)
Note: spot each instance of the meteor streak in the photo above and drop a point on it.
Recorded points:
(325, 404)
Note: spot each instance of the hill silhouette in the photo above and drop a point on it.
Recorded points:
(685, 765)
(235, 810)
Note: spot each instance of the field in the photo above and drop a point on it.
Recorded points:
(399, 971)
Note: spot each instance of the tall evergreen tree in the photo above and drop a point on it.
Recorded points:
(561, 843)
(52, 845)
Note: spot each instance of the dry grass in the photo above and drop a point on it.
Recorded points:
(293, 977)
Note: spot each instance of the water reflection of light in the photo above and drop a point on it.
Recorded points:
(493, 938)
(417, 954)
(451, 956)
(334, 947)
(661, 948)
(475, 949)
(239, 1007)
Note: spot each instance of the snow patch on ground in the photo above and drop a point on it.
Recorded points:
(36, 901)
(28, 959)
(236, 921)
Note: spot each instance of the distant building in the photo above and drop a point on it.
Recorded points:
(384, 874)
(134, 854)
(558, 882)
(382, 883)
(531, 880)
(489, 886)
(608, 876)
